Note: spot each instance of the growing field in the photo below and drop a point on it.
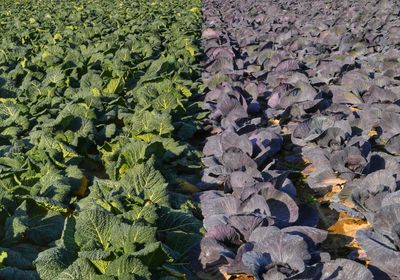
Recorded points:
(303, 170)
(94, 117)
(181, 139)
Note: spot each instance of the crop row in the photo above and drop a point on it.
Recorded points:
(93, 138)
(309, 82)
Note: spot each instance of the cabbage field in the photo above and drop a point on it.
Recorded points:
(200, 139)
(95, 117)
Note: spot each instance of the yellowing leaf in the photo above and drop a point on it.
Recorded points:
(104, 204)
(147, 137)
(84, 105)
(372, 133)
(95, 92)
(237, 276)
(4, 100)
(195, 10)
(187, 187)
(274, 121)
(161, 129)
(114, 204)
(66, 152)
(348, 202)
(113, 86)
(185, 91)
(216, 130)
(82, 188)
(190, 49)
(17, 180)
(57, 37)
(180, 104)
(122, 170)
(45, 54)
(79, 8)
(333, 181)
(328, 197)
(347, 225)
(309, 169)
(23, 62)
(3, 256)
(101, 265)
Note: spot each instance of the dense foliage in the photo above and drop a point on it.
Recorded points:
(315, 82)
(94, 121)
(100, 121)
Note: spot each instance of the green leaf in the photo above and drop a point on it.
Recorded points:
(176, 220)
(54, 76)
(35, 223)
(134, 153)
(146, 122)
(145, 181)
(163, 65)
(186, 131)
(81, 269)
(95, 225)
(181, 243)
(127, 236)
(99, 258)
(91, 82)
(94, 255)
(142, 213)
(12, 273)
(50, 204)
(127, 265)
(50, 263)
(67, 239)
(20, 256)
(165, 102)
(153, 255)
